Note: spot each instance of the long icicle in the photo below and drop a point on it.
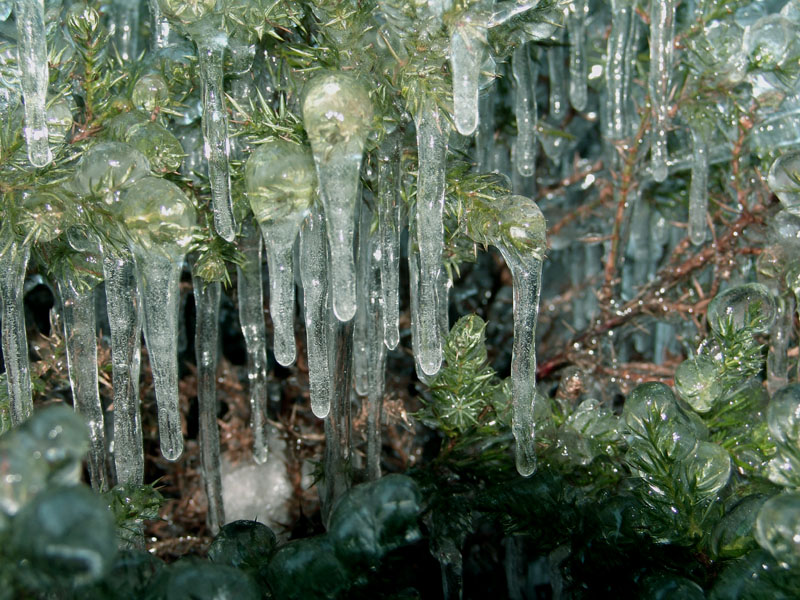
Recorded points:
(13, 261)
(576, 22)
(432, 135)
(34, 78)
(662, 31)
(125, 17)
(159, 26)
(525, 111)
(467, 53)
(389, 230)
(361, 364)
(125, 320)
(80, 335)
(251, 316)
(206, 339)
(698, 188)
(621, 53)
(210, 51)
(318, 313)
(558, 89)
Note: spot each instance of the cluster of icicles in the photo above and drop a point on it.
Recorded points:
(282, 179)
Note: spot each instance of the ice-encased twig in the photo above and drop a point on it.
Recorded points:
(698, 188)
(525, 111)
(251, 317)
(206, 339)
(314, 262)
(210, 51)
(576, 22)
(80, 335)
(32, 48)
(13, 261)
(125, 321)
(158, 277)
(662, 31)
(389, 229)
(467, 52)
(620, 57)
(432, 135)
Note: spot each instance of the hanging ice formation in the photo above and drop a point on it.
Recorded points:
(159, 24)
(280, 183)
(621, 55)
(467, 53)
(662, 29)
(698, 187)
(160, 221)
(525, 110)
(576, 23)
(337, 114)
(251, 316)
(126, 28)
(32, 50)
(389, 230)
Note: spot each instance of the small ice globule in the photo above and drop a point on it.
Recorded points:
(736, 302)
(160, 221)
(784, 181)
(777, 525)
(697, 380)
(783, 415)
(280, 183)
(107, 168)
(337, 114)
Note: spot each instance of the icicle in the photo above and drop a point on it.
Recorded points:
(520, 237)
(662, 30)
(251, 317)
(576, 21)
(159, 26)
(777, 356)
(13, 261)
(432, 134)
(316, 296)
(206, 341)
(34, 77)
(698, 189)
(126, 28)
(280, 183)
(484, 139)
(125, 320)
(525, 111)
(558, 93)
(210, 50)
(337, 115)
(80, 335)
(361, 358)
(621, 56)
(160, 220)
(467, 53)
(389, 230)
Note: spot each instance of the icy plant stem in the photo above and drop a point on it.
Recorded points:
(698, 189)
(13, 261)
(467, 51)
(80, 335)
(389, 230)
(558, 91)
(281, 301)
(206, 341)
(338, 176)
(32, 50)
(525, 112)
(526, 277)
(621, 49)
(124, 317)
(251, 317)
(662, 28)
(210, 52)
(160, 26)
(432, 134)
(126, 28)
(318, 315)
(158, 277)
(576, 23)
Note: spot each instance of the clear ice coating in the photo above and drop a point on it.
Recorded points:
(280, 183)
(698, 188)
(159, 24)
(525, 111)
(784, 181)
(662, 31)
(318, 311)
(337, 114)
(736, 302)
(125, 320)
(80, 335)
(13, 261)
(467, 53)
(251, 317)
(125, 19)
(558, 91)
(621, 55)
(389, 230)
(519, 234)
(433, 131)
(206, 340)
(160, 221)
(576, 23)
(776, 527)
(32, 50)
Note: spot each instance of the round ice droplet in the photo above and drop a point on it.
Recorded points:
(149, 92)
(107, 168)
(159, 216)
(651, 402)
(280, 181)
(783, 415)
(777, 527)
(742, 303)
(710, 467)
(59, 122)
(520, 226)
(157, 143)
(697, 382)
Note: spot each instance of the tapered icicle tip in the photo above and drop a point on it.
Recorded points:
(467, 53)
(337, 114)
